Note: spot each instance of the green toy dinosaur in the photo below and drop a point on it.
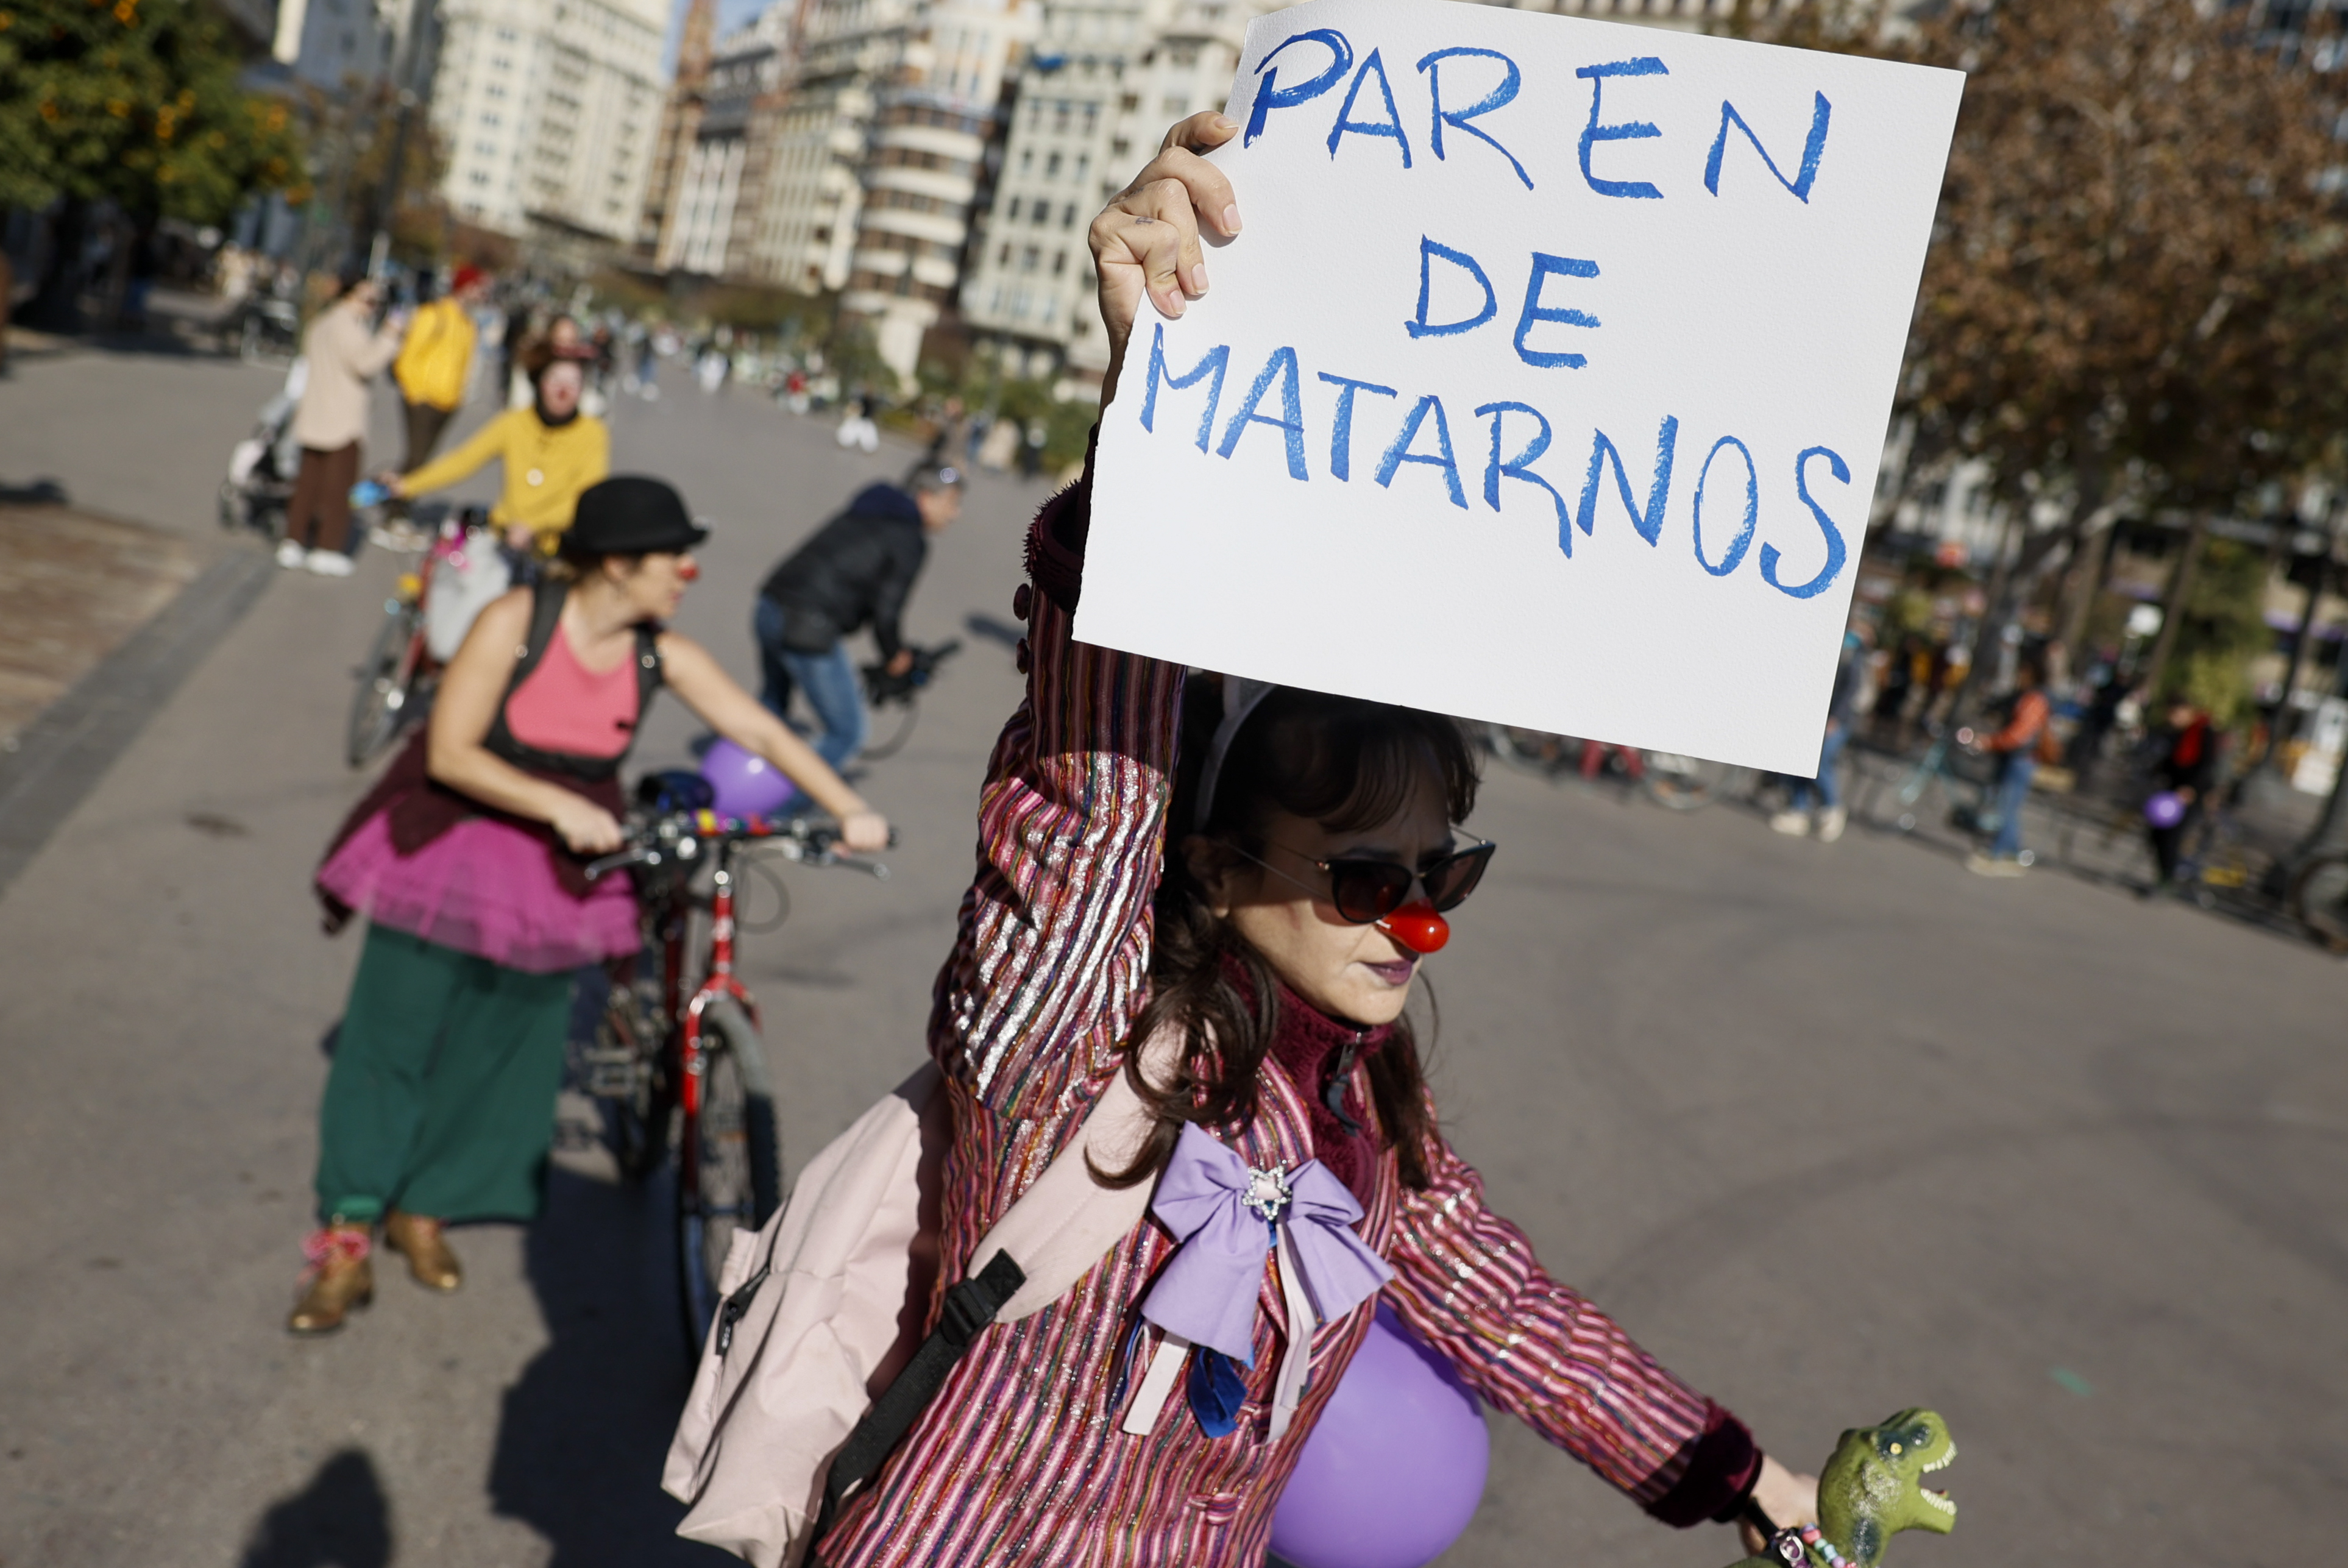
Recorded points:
(1872, 1488)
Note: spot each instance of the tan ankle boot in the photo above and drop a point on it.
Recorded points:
(427, 1250)
(339, 1278)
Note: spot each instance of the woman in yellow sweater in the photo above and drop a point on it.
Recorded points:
(551, 450)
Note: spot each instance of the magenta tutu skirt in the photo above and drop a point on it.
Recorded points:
(487, 888)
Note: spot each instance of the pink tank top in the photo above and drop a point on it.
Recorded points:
(565, 706)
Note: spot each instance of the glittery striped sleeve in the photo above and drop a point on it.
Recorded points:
(1466, 1282)
(1051, 952)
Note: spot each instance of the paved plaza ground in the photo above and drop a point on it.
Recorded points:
(1833, 1129)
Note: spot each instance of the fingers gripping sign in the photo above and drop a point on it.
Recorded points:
(1146, 242)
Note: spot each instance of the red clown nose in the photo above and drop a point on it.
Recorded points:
(1417, 927)
(689, 571)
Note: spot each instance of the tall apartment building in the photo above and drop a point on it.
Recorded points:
(549, 109)
(716, 198)
(1104, 82)
(680, 122)
(877, 154)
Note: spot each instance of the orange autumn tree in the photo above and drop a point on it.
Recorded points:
(135, 102)
(2137, 294)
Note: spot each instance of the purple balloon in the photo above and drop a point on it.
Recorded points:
(2165, 809)
(1394, 1469)
(747, 785)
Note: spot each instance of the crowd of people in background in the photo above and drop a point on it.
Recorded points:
(2028, 721)
(2101, 736)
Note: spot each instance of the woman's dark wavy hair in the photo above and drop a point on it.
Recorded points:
(1344, 763)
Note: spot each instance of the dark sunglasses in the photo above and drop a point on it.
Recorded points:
(1368, 890)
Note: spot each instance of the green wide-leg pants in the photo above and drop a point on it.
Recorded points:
(440, 1100)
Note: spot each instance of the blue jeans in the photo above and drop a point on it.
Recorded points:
(828, 679)
(1829, 779)
(2013, 789)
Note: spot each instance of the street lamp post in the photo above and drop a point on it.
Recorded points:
(414, 70)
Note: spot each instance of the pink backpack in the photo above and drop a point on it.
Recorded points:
(815, 1368)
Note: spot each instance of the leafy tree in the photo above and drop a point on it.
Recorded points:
(629, 292)
(136, 103)
(2136, 294)
(2222, 627)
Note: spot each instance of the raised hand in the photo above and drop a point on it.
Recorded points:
(1147, 241)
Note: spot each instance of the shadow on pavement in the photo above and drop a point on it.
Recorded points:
(339, 1520)
(583, 1432)
(994, 630)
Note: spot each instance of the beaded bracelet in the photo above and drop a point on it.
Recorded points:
(1794, 1544)
(1819, 1543)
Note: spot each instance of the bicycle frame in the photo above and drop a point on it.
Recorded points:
(717, 981)
(416, 656)
(1932, 766)
(697, 1078)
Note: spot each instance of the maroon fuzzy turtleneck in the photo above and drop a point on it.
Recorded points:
(1318, 1052)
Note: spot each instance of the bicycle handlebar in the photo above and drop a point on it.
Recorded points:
(679, 836)
(881, 688)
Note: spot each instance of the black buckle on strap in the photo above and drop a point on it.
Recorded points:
(737, 1305)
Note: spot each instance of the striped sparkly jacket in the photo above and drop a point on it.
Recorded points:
(1020, 1460)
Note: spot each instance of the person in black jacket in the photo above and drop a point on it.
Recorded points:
(858, 568)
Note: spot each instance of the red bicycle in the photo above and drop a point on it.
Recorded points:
(676, 1065)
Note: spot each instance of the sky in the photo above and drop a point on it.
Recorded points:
(731, 15)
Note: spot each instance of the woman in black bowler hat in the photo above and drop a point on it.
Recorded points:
(466, 860)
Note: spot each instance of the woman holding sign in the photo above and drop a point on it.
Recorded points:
(1245, 878)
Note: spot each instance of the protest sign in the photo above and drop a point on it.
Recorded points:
(1546, 384)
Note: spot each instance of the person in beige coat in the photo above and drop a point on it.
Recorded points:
(343, 356)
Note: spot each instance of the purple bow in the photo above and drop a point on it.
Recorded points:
(1218, 1208)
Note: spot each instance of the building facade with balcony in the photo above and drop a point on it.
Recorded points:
(549, 109)
(680, 123)
(1104, 83)
(713, 207)
(878, 154)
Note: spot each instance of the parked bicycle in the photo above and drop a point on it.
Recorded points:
(265, 330)
(2319, 898)
(677, 1065)
(1670, 778)
(430, 608)
(1958, 777)
(903, 692)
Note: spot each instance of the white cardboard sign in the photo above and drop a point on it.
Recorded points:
(1546, 383)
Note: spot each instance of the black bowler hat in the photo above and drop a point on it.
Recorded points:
(629, 514)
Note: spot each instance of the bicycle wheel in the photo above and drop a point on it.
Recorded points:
(729, 1175)
(882, 750)
(1534, 751)
(1682, 783)
(2318, 899)
(386, 681)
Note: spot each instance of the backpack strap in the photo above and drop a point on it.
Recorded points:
(969, 1308)
(1062, 1225)
(548, 597)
